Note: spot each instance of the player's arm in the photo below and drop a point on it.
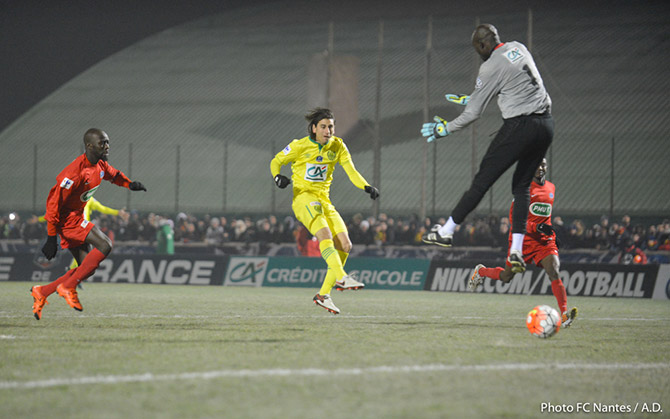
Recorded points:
(531, 227)
(287, 155)
(58, 194)
(97, 206)
(358, 180)
(487, 87)
(117, 177)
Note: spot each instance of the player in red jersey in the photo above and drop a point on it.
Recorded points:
(539, 244)
(74, 187)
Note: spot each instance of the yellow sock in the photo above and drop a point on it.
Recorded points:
(335, 269)
(329, 280)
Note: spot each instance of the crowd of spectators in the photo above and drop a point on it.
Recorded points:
(491, 231)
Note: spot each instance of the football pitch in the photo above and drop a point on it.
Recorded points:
(236, 352)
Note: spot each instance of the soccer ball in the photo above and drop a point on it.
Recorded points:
(543, 321)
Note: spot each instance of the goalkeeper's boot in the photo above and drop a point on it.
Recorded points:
(71, 297)
(515, 259)
(434, 237)
(348, 283)
(39, 301)
(326, 302)
(569, 317)
(476, 279)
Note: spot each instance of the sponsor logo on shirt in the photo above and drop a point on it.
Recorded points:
(514, 55)
(316, 172)
(84, 224)
(86, 196)
(319, 159)
(102, 174)
(541, 209)
(287, 150)
(66, 183)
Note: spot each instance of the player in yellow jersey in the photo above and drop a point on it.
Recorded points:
(313, 160)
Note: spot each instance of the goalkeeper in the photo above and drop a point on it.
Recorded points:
(313, 160)
(508, 73)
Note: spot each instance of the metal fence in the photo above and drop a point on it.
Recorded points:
(197, 112)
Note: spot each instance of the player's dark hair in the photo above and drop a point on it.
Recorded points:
(314, 116)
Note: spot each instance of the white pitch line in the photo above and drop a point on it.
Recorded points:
(6, 315)
(302, 372)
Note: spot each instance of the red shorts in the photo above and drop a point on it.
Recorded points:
(73, 230)
(534, 251)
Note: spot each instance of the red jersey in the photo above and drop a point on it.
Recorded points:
(539, 210)
(75, 186)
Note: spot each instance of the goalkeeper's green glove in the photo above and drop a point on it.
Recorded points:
(435, 130)
(458, 99)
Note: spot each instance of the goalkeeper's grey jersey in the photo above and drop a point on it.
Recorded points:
(511, 74)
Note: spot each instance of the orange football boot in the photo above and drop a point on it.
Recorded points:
(39, 301)
(70, 295)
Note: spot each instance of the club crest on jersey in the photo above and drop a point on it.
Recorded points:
(330, 155)
(541, 209)
(316, 172)
(316, 206)
(66, 183)
(86, 196)
(514, 55)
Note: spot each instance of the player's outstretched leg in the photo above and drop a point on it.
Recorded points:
(326, 302)
(569, 317)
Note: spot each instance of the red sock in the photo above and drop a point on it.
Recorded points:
(559, 292)
(49, 289)
(493, 273)
(87, 267)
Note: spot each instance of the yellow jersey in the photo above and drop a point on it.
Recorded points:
(313, 164)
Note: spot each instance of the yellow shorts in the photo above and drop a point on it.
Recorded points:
(317, 212)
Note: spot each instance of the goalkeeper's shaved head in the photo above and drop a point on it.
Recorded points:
(315, 115)
(484, 39)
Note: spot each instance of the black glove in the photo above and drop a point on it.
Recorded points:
(136, 186)
(545, 229)
(374, 192)
(282, 181)
(50, 247)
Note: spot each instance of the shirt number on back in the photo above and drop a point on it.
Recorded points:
(528, 71)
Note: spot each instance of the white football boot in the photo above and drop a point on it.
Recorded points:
(348, 283)
(475, 280)
(326, 302)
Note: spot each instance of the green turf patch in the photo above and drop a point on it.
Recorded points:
(186, 351)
